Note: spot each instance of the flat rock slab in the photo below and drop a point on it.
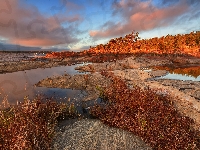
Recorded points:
(158, 73)
(191, 88)
(128, 63)
(91, 134)
(131, 74)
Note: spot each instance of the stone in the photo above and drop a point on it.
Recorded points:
(196, 94)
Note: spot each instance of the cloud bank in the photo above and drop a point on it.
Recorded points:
(24, 25)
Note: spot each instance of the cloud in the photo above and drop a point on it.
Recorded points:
(12, 47)
(167, 2)
(84, 47)
(172, 2)
(25, 25)
(72, 6)
(192, 2)
(140, 16)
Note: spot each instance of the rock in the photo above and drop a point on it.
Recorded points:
(131, 74)
(93, 134)
(158, 73)
(196, 94)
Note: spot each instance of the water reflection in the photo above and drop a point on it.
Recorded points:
(181, 73)
(15, 86)
(180, 77)
(193, 71)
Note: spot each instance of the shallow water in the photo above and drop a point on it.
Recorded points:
(18, 85)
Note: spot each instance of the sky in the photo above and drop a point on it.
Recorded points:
(75, 25)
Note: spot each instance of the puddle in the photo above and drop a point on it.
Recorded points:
(181, 73)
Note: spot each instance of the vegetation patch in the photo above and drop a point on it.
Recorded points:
(31, 124)
(148, 114)
(179, 45)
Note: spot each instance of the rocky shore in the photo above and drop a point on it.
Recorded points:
(91, 134)
(130, 62)
(40, 62)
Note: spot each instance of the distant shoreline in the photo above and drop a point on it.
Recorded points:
(38, 51)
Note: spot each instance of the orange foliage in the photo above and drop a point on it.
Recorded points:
(188, 44)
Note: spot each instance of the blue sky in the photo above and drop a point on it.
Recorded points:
(78, 24)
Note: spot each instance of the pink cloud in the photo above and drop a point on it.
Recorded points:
(27, 26)
(140, 16)
(37, 42)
